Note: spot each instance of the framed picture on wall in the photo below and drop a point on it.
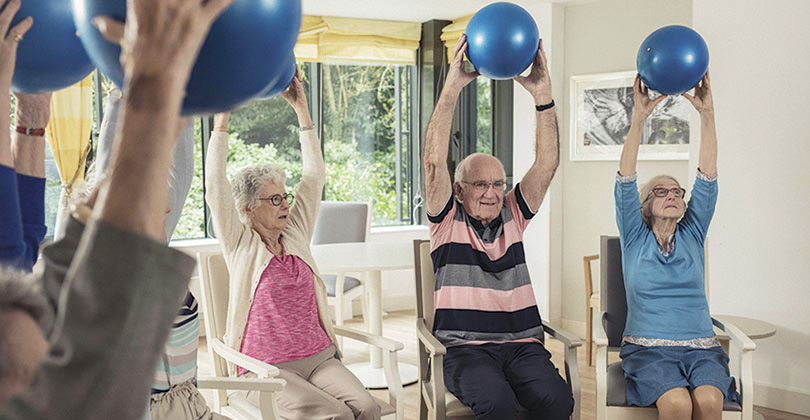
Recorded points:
(601, 111)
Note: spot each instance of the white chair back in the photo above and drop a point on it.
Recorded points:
(342, 221)
(214, 290)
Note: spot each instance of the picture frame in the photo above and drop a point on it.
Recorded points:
(601, 112)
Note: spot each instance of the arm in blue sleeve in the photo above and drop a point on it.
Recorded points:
(12, 247)
(700, 210)
(628, 211)
(32, 208)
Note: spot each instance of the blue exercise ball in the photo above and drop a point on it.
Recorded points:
(502, 40)
(50, 57)
(247, 48)
(672, 59)
(282, 82)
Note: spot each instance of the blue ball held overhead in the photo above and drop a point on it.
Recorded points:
(672, 60)
(50, 56)
(283, 81)
(502, 40)
(246, 50)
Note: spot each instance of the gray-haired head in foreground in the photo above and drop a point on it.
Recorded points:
(18, 291)
(247, 183)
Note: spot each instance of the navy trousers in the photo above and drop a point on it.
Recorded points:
(495, 380)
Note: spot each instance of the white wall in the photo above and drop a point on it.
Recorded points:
(535, 238)
(600, 37)
(759, 241)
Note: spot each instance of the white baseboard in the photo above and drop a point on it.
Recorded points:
(792, 400)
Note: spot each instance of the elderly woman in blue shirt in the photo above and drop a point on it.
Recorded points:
(669, 353)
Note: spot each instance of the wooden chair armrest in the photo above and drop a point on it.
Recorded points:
(570, 340)
(734, 333)
(242, 384)
(426, 337)
(368, 338)
(261, 369)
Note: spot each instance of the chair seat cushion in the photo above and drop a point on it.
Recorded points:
(330, 280)
(617, 389)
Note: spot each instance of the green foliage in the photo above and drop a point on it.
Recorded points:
(359, 122)
(484, 115)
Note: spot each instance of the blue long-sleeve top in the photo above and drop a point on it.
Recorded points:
(666, 297)
(22, 217)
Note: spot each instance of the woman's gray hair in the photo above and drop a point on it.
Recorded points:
(645, 195)
(247, 183)
(21, 290)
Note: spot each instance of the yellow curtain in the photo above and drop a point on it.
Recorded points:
(68, 131)
(452, 32)
(336, 39)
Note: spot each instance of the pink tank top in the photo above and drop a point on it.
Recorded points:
(283, 323)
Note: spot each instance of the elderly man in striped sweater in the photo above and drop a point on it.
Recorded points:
(486, 314)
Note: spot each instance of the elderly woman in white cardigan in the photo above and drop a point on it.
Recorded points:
(277, 308)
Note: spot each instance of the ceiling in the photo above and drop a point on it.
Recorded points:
(405, 10)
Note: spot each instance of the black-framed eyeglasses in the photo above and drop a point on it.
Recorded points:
(481, 186)
(678, 192)
(276, 199)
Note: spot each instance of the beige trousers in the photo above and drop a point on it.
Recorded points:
(182, 402)
(320, 387)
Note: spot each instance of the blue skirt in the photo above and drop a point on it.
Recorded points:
(652, 371)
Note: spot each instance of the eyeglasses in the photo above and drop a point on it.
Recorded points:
(481, 186)
(278, 198)
(678, 192)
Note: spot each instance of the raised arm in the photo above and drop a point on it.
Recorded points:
(438, 186)
(9, 40)
(135, 196)
(642, 108)
(703, 102)
(32, 113)
(534, 184)
(313, 176)
(218, 191)
(12, 245)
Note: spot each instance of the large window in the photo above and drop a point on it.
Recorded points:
(364, 113)
(366, 116)
(483, 93)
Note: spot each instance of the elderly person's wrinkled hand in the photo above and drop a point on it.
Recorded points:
(294, 94)
(221, 121)
(538, 81)
(457, 77)
(702, 99)
(10, 39)
(643, 106)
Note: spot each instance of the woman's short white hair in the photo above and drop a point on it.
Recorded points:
(646, 196)
(247, 183)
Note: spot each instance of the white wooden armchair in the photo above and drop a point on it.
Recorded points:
(611, 397)
(435, 402)
(214, 290)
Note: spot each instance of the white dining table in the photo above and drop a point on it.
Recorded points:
(372, 258)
